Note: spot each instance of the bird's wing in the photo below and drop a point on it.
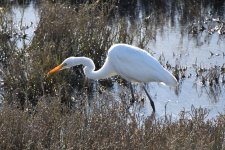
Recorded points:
(136, 65)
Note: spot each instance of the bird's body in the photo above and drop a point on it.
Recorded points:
(135, 64)
(130, 62)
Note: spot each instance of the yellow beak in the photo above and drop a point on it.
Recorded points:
(56, 69)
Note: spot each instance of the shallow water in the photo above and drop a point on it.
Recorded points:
(189, 52)
(178, 47)
(26, 19)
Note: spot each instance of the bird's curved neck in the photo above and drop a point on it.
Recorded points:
(89, 69)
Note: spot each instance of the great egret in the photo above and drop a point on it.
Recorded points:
(130, 62)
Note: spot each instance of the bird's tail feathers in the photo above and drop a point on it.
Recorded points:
(170, 80)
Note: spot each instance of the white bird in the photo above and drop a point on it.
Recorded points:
(130, 62)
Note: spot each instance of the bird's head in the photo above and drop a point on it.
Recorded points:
(67, 63)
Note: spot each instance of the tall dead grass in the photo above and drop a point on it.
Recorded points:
(51, 126)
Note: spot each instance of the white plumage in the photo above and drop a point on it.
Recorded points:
(130, 62)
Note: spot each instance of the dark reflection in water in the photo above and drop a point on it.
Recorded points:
(158, 12)
(161, 12)
(20, 3)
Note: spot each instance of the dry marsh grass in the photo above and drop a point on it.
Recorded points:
(51, 126)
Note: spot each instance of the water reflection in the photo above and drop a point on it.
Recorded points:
(185, 33)
(24, 18)
(26, 21)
